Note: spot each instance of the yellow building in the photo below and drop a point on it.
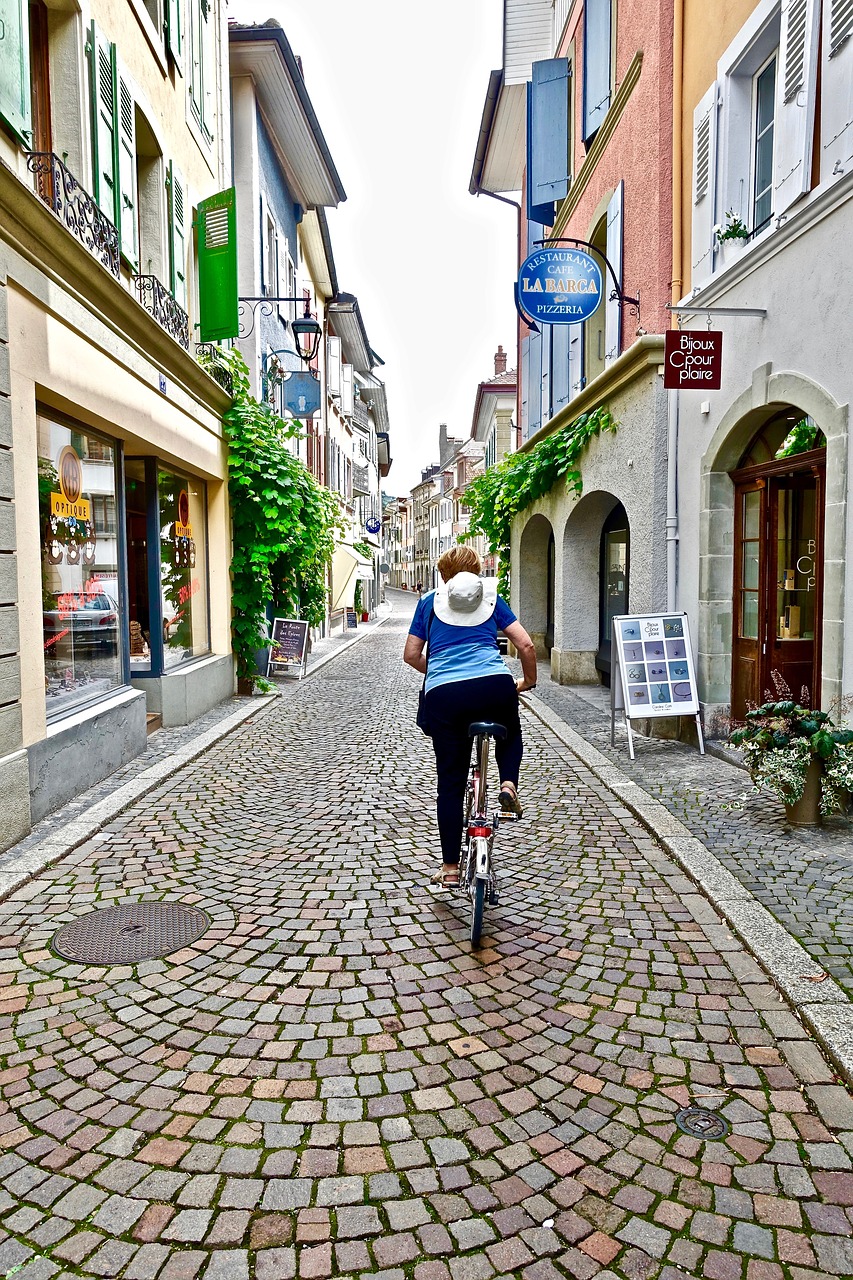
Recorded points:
(114, 526)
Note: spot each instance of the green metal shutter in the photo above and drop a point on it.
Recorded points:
(15, 67)
(177, 236)
(127, 200)
(174, 18)
(217, 267)
(103, 87)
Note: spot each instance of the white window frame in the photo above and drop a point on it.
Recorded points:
(753, 194)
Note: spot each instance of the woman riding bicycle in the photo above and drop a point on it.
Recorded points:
(467, 680)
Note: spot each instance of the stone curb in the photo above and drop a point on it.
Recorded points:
(823, 1006)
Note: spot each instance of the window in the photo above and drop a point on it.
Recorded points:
(203, 66)
(183, 567)
(80, 583)
(271, 289)
(764, 114)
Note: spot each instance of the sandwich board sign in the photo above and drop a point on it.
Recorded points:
(652, 671)
(288, 647)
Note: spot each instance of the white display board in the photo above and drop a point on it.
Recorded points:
(652, 672)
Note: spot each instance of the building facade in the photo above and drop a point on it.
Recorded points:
(114, 590)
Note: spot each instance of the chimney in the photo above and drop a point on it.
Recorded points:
(500, 361)
(442, 442)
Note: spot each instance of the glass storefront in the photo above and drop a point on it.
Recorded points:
(81, 609)
(183, 567)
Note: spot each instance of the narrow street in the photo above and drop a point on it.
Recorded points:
(330, 1082)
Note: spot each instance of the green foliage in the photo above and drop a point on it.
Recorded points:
(285, 525)
(802, 437)
(496, 497)
(735, 228)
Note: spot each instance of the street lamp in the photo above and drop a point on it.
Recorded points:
(307, 332)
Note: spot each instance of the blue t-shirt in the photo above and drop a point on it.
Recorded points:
(461, 653)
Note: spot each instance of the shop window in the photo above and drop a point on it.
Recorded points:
(80, 577)
(183, 568)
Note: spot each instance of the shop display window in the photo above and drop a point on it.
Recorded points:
(80, 565)
(182, 509)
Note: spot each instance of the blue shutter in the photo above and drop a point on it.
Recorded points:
(548, 158)
(525, 388)
(534, 375)
(560, 338)
(547, 332)
(576, 378)
(613, 312)
(543, 213)
(596, 65)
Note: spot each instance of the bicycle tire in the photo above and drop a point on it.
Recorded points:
(477, 901)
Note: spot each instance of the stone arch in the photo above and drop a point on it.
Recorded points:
(535, 590)
(578, 590)
(737, 427)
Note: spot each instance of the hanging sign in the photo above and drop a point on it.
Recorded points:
(693, 360)
(373, 525)
(301, 393)
(652, 672)
(288, 647)
(560, 286)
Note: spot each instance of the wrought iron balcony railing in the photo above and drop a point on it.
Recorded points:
(169, 314)
(209, 357)
(75, 208)
(360, 479)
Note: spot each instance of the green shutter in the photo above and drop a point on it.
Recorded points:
(15, 67)
(126, 195)
(174, 17)
(103, 87)
(217, 267)
(177, 237)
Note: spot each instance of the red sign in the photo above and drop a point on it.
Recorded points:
(693, 360)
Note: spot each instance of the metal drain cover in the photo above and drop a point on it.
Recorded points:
(699, 1122)
(128, 934)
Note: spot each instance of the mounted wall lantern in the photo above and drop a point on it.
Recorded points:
(306, 330)
(307, 333)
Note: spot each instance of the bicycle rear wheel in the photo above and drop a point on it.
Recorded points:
(478, 897)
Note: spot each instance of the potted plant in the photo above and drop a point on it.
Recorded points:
(735, 228)
(799, 754)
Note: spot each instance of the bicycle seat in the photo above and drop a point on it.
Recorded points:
(486, 729)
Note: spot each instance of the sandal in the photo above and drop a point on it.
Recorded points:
(509, 801)
(446, 879)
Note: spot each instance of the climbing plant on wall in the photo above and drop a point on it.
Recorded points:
(496, 497)
(285, 525)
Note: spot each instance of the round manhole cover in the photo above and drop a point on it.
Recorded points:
(699, 1122)
(126, 935)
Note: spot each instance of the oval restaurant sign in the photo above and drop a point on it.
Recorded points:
(560, 286)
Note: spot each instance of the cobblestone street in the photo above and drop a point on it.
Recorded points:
(330, 1082)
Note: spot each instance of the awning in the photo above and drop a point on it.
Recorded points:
(348, 565)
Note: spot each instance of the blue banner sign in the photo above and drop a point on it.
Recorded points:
(560, 286)
(301, 394)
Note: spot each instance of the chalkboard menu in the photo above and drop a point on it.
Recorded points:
(352, 619)
(652, 669)
(288, 647)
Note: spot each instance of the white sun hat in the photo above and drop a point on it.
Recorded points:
(466, 600)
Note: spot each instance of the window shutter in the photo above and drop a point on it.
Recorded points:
(536, 213)
(836, 95)
(547, 333)
(613, 312)
(127, 199)
(576, 380)
(535, 379)
(596, 65)
(525, 388)
(796, 80)
(263, 240)
(283, 290)
(174, 41)
(549, 131)
(560, 338)
(217, 267)
(208, 68)
(346, 390)
(103, 86)
(704, 184)
(333, 367)
(15, 68)
(177, 236)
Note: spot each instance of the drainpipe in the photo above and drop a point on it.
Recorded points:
(481, 191)
(675, 290)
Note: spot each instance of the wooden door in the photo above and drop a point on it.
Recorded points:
(778, 583)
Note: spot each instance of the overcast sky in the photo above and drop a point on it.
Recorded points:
(398, 88)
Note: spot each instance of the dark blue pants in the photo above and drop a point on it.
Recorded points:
(450, 709)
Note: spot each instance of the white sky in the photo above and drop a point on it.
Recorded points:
(398, 88)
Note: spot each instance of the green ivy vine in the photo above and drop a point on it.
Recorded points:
(496, 497)
(285, 525)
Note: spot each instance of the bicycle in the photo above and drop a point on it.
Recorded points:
(478, 878)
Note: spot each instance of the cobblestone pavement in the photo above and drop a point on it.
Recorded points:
(330, 1082)
(804, 878)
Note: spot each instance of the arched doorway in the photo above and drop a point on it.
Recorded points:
(536, 576)
(614, 568)
(780, 486)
